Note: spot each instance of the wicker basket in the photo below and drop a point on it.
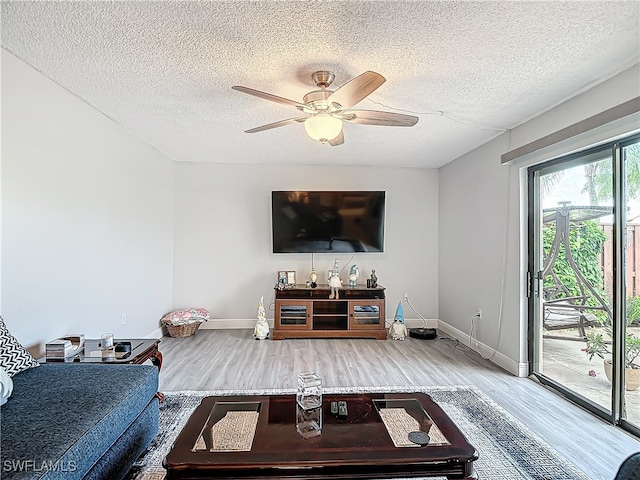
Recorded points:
(184, 330)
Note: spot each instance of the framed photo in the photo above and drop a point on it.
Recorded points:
(282, 278)
(291, 278)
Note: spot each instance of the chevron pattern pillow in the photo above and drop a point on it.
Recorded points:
(13, 357)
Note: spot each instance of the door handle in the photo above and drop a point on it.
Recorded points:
(534, 284)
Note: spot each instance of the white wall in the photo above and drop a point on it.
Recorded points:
(480, 229)
(87, 217)
(223, 260)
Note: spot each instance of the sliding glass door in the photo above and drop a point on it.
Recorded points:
(584, 252)
(628, 336)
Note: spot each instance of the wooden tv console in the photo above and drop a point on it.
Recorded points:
(304, 312)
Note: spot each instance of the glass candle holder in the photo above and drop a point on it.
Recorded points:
(106, 341)
(107, 347)
(308, 422)
(309, 393)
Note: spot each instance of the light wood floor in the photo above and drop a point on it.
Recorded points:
(232, 359)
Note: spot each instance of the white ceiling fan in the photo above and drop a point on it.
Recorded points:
(326, 109)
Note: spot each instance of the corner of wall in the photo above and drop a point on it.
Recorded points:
(518, 369)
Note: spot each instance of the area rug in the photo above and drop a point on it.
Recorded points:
(508, 449)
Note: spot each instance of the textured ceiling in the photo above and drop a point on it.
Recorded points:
(469, 70)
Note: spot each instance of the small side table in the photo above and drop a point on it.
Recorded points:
(142, 349)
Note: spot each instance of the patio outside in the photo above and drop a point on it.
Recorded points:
(577, 269)
(566, 362)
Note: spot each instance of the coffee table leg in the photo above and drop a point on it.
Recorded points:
(156, 359)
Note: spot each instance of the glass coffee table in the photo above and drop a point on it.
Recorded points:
(381, 435)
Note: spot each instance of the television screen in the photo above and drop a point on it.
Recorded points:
(327, 222)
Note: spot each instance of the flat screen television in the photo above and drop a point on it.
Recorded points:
(327, 221)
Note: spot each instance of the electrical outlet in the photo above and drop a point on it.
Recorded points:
(124, 318)
(405, 297)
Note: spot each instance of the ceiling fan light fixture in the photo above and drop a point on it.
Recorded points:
(323, 127)
(326, 109)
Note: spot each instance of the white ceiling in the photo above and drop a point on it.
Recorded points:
(469, 70)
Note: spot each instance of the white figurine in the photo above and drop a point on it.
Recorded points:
(398, 330)
(261, 330)
(354, 274)
(313, 278)
(334, 282)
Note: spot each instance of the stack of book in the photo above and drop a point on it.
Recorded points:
(59, 349)
(64, 347)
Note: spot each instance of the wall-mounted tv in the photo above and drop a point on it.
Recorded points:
(327, 221)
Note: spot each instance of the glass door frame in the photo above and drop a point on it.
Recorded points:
(534, 283)
(620, 313)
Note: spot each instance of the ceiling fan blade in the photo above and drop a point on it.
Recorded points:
(339, 140)
(373, 117)
(357, 89)
(268, 96)
(281, 123)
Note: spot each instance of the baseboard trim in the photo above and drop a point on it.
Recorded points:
(233, 323)
(418, 322)
(523, 369)
(518, 369)
(157, 333)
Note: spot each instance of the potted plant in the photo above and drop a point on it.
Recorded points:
(597, 345)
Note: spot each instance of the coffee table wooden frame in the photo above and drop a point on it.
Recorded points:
(356, 447)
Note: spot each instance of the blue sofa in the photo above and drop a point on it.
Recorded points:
(78, 421)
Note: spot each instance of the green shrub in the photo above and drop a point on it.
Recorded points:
(586, 240)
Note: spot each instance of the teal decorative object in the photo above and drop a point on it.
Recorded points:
(398, 330)
(354, 274)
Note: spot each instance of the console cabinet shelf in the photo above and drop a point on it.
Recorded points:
(304, 312)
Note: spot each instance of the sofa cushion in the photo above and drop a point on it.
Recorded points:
(62, 418)
(13, 357)
(116, 463)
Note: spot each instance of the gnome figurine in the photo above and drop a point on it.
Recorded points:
(354, 274)
(398, 330)
(261, 330)
(334, 282)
